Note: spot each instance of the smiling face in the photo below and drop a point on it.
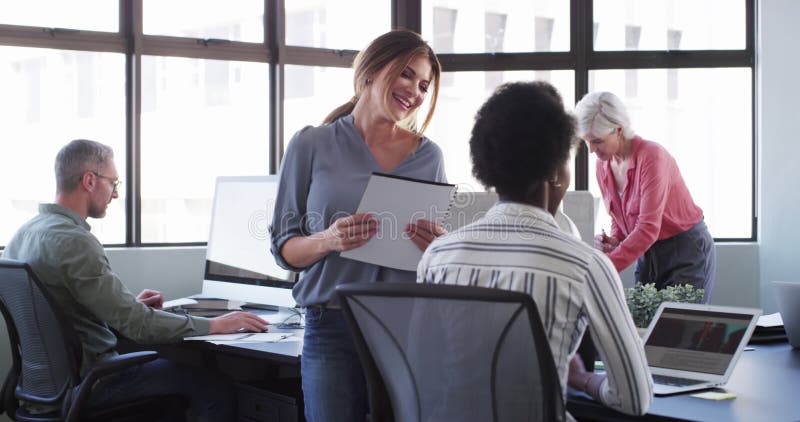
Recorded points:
(401, 98)
(604, 147)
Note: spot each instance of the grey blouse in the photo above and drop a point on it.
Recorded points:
(323, 175)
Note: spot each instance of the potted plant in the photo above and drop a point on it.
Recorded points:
(644, 299)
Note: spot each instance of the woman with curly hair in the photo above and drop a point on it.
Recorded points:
(520, 142)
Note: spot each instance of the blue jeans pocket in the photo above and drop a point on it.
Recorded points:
(314, 316)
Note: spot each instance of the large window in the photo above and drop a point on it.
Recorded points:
(311, 93)
(185, 91)
(669, 25)
(340, 24)
(200, 119)
(86, 15)
(704, 121)
(240, 20)
(684, 68)
(458, 103)
(48, 98)
(497, 26)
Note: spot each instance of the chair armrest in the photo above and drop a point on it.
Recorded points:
(117, 363)
(100, 369)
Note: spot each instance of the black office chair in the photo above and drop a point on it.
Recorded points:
(46, 356)
(436, 352)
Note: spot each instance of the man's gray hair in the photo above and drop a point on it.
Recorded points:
(77, 157)
(600, 113)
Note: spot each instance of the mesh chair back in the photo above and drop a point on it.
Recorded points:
(44, 346)
(454, 352)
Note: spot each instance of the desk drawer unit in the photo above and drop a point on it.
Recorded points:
(257, 405)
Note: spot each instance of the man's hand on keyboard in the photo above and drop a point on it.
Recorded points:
(238, 321)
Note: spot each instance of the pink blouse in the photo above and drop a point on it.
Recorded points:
(655, 203)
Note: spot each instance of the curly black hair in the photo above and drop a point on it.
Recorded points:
(522, 134)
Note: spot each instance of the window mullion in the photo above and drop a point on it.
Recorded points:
(407, 14)
(581, 23)
(131, 24)
(309, 56)
(274, 38)
(668, 59)
(61, 39)
(507, 61)
(152, 45)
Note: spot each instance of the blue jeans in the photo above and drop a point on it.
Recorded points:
(334, 388)
(211, 396)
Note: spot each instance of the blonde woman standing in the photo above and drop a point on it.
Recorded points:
(322, 178)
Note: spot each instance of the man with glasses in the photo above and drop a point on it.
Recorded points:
(72, 264)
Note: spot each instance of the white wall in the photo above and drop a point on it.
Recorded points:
(779, 207)
(737, 278)
(176, 272)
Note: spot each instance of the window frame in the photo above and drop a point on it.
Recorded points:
(582, 58)
(273, 51)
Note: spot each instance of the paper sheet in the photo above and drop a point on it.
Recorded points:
(396, 202)
(771, 320)
(714, 395)
(242, 338)
(179, 302)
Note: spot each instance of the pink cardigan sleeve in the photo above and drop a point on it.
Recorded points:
(653, 172)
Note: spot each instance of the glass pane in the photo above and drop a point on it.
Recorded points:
(669, 25)
(703, 117)
(310, 93)
(200, 119)
(90, 15)
(459, 100)
(240, 20)
(51, 97)
(330, 24)
(492, 26)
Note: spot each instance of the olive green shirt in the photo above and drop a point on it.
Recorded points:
(71, 262)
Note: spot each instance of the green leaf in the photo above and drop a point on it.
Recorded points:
(643, 299)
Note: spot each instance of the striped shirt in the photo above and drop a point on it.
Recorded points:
(519, 247)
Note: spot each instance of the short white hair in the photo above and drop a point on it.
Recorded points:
(77, 157)
(600, 113)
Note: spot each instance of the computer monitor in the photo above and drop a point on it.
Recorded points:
(467, 208)
(239, 265)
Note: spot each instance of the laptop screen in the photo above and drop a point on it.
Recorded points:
(695, 340)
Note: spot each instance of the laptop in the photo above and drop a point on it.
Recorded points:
(693, 346)
(787, 295)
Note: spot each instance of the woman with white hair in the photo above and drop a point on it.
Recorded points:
(654, 220)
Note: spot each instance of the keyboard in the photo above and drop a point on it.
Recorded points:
(675, 381)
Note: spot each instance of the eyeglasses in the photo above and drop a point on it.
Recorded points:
(114, 181)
